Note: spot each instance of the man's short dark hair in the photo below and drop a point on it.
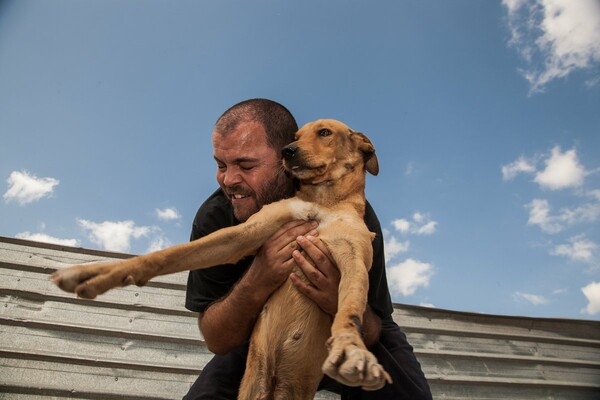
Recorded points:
(277, 121)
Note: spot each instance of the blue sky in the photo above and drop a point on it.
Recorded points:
(484, 114)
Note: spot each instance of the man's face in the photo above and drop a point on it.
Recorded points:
(248, 170)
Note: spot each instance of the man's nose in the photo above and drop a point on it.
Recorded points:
(231, 177)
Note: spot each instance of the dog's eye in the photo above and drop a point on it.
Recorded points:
(324, 132)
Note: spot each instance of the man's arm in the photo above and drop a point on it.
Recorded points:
(226, 323)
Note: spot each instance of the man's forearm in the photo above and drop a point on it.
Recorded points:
(228, 322)
(371, 327)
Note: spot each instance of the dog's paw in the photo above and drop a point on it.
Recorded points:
(89, 281)
(351, 364)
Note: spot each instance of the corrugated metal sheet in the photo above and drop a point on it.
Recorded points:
(140, 343)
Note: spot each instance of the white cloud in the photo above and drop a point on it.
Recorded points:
(521, 165)
(114, 236)
(393, 247)
(427, 229)
(562, 171)
(421, 224)
(534, 299)
(167, 214)
(26, 188)
(585, 213)
(42, 237)
(580, 249)
(401, 225)
(539, 214)
(554, 37)
(418, 217)
(513, 5)
(595, 194)
(158, 243)
(592, 82)
(592, 293)
(408, 276)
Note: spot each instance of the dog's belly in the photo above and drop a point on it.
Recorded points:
(289, 340)
(293, 322)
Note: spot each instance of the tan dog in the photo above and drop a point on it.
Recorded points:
(289, 349)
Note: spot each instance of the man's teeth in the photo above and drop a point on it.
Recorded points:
(239, 196)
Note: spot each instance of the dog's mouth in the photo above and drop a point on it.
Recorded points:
(301, 169)
(300, 164)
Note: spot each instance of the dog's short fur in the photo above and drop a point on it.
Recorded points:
(289, 349)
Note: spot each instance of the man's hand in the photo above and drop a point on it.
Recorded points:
(236, 313)
(274, 262)
(323, 277)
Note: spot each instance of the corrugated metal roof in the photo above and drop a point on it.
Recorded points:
(141, 343)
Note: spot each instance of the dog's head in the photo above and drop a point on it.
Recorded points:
(326, 150)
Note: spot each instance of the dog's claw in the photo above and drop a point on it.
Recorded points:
(351, 364)
(128, 280)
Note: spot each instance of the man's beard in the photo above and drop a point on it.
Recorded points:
(274, 190)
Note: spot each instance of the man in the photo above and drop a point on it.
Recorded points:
(247, 142)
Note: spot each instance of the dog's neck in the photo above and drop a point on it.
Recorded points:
(349, 189)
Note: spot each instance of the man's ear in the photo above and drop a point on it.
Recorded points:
(366, 146)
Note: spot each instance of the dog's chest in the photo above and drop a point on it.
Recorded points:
(325, 216)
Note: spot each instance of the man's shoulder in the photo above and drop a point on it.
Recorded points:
(371, 219)
(215, 213)
(216, 202)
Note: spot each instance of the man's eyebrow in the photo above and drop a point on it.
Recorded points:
(241, 160)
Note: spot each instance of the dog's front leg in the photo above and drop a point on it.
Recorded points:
(224, 246)
(349, 362)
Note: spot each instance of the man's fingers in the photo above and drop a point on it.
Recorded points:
(316, 286)
(303, 287)
(290, 231)
(313, 274)
(316, 250)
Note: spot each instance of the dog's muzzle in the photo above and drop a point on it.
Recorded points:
(289, 152)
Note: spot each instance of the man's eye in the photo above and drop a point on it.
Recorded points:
(246, 168)
(221, 167)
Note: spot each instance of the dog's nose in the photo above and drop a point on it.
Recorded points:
(289, 152)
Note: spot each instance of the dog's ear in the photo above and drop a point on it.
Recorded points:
(366, 146)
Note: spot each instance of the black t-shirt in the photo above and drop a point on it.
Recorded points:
(205, 286)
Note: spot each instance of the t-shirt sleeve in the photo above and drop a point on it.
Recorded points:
(379, 295)
(205, 286)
